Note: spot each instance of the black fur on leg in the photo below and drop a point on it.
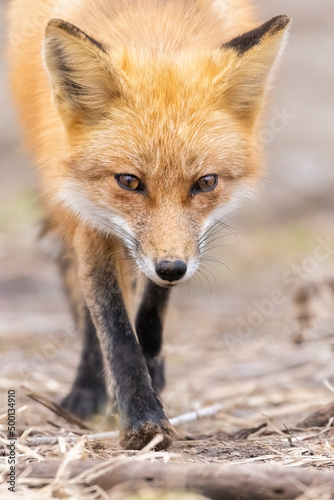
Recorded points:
(141, 412)
(88, 394)
(149, 327)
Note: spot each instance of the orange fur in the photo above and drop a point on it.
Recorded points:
(164, 100)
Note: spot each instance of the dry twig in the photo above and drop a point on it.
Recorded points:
(187, 417)
(58, 410)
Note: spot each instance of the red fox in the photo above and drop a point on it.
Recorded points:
(142, 117)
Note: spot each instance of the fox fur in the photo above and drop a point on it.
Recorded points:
(166, 93)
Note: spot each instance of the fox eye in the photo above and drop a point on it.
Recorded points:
(129, 182)
(205, 184)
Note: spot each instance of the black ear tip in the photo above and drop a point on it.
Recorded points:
(57, 23)
(71, 30)
(278, 23)
(248, 40)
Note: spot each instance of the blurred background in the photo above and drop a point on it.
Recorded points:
(277, 243)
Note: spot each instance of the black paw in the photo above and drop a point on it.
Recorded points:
(85, 402)
(139, 436)
(156, 368)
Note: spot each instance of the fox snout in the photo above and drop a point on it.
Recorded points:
(168, 266)
(166, 271)
(171, 270)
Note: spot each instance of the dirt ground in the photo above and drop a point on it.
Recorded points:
(232, 335)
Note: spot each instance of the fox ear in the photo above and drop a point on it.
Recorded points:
(83, 79)
(250, 60)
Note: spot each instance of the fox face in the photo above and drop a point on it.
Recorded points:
(160, 147)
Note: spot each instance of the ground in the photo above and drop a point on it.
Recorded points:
(231, 338)
(234, 345)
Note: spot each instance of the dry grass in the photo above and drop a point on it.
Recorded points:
(265, 382)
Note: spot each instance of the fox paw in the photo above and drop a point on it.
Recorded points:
(84, 402)
(138, 437)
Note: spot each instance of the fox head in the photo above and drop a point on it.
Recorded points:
(160, 144)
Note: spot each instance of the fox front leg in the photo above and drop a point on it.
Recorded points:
(141, 412)
(88, 394)
(149, 326)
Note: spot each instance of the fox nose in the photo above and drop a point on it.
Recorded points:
(170, 270)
